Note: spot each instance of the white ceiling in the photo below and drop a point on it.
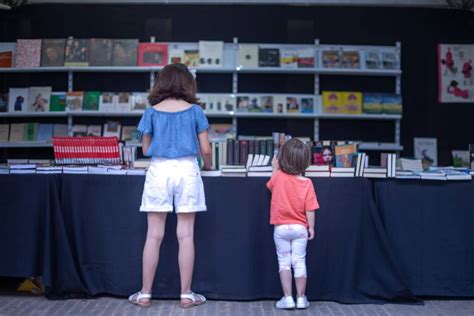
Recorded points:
(410, 3)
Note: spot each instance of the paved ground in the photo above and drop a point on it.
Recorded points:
(17, 304)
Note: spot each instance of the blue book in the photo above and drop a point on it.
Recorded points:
(45, 132)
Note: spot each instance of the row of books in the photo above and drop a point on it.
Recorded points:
(31, 168)
(43, 132)
(344, 102)
(27, 53)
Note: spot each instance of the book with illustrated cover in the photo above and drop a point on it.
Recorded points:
(176, 56)
(77, 53)
(243, 104)
(4, 132)
(129, 134)
(28, 53)
(352, 102)
(140, 101)
(390, 60)
(332, 102)
(372, 103)
(279, 104)
(373, 59)
(306, 58)
(107, 102)
(57, 102)
(38, 100)
(112, 128)
(426, 149)
(288, 57)
(123, 101)
(211, 53)
(79, 130)
(229, 103)
(52, 52)
(219, 132)
(74, 100)
(45, 132)
(152, 54)
(323, 153)
(307, 105)
(268, 57)
(254, 104)
(345, 155)
(60, 130)
(266, 103)
(3, 102)
(292, 105)
(191, 58)
(17, 132)
(91, 101)
(101, 52)
(94, 130)
(392, 103)
(248, 55)
(125, 52)
(18, 99)
(330, 58)
(351, 59)
(7, 54)
(31, 130)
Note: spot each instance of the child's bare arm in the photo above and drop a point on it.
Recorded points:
(310, 218)
(146, 141)
(275, 165)
(206, 151)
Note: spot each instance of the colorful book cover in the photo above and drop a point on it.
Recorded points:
(351, 59)
(152, 54)
(45, 132)
(18, 99)
(211, 53)
(176, 56)
(266, 103)
(31, 130)
(28, 53)
(332, 102)
(91, 101)
(268, 57)
(129, 134)
(101, 52)
(52, 52)
(352, 102)
(392, 104)
(426, 149)
(331, 58)
(219, 132)
(372, 103)
(323, 153)
(254, 104)
(248, 56)
(77, 53)
(307, 105)
(292, 105)
(3, 102)
(140, 101)
(125, 52)
(345, 155)
(288, 57)
(373, 59)
(39, 99)
(74, 100)
(191, 57)
(7, 54)
(57, 102)
(243, 104)
(306, 58)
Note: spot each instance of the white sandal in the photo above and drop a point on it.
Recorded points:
(192, 297)
(136, 297)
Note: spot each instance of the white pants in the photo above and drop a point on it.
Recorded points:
(290, 242)
(173, 182)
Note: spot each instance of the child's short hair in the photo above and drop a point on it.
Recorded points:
(295, 157)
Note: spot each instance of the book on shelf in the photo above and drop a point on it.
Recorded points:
(211, 173)
(74, 100)
(7, 54)
(248, 56)
(57, 103)
(307, 105)
(3, 102)
(351, 102)
(152, 54)
(38, 99)
(317, 174)
(191, 58)
(350, 59)
(332, 102)
(413, 165)
(136, 172)
(266, 103)
(31, 130)
(112, 128)
(221, 132)
(426, 149)
(373, 59)
(45, 132)
(344, 155)
(101, 52)
(129, 134)
(265, 174)
(91, 101)
(28, 53)
(460, 158)
(268, 57)
(288, 57)
(292, 105)
(306, 57)
(392, 103)
(79, 130)
(243, 104)
(330, 58)
(372, 103)
(123, 102)
(279, 104)
(254, 104)
(176, 56)
(52, 52)
(390, 60)
(211, 53)
(140, 101)
(60, 130)
(4, 132)
(342, 174)
(376, 175)
(94, 130)
(125, 52)
(77, 52)
(18, 99)
(107, 102)
(17, 132)
(360, 164)
(318, 168)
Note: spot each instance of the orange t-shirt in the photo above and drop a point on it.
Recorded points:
(292, 197)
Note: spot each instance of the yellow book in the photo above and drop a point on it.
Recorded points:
(352, 102)
(332, 102)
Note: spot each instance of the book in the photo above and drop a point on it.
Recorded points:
(176, 56)
(60, 130)
(372, 103)
(373, 59)
(211, 173)
(306, 57)
(191, 58)
(221, 132)
(74, 100)
(351, 102)
(392, 103)
(332, 102)
(471, 156)
(101, 52)
(288, 57)
(17, 132)
(28, 53)
(229, 103)
(152, 54)
(3, 102)
(107, 102)
(426, 149)
(79, 130)
(390, 60)
(7, 54)
(243, 104)
(307, 105)
(112, 128)
(345, 154)
(129, 134)
(266, 103)
(317, 174)
(350, 59)
(57, 102)
(76, 53)
(248, 56)
(45, 132)
(4, 132)
(52, 52)
(254, 104)
(268, 57)
(330, 58)
(38, 100)
(31, 130)
(279, 104)
(292, 105)
(140, 101)
(211, 53)
(91, 101)
(125, 52)
(18, 99)
(94, 130)
(123, 102)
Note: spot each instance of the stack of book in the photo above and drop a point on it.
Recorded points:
(342, 172)
(233, 171)
(375, 172)
(22, 168)
(314, 171)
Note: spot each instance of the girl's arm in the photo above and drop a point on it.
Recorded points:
(310, 218)
(146, 141)
(206, 151)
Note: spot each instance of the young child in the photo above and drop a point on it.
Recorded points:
(292, 212)
(174, 134)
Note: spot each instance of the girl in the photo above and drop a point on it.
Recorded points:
(173, 133)
(292, 212)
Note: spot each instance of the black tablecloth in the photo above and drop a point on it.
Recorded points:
(430, 225)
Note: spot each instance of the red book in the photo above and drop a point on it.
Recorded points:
(152, 54)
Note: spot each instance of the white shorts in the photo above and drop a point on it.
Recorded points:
(177, 180)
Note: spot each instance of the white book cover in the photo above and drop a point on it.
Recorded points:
(256, 159)
(39, 99)
(266, 174)
(279, 104)
(211, 54)
(107, 102)
(288, 57)
(426, 149)
(112, 129)
(249, 161)
(260, 160)
(248, 56)
(123, 102)
(317, 174)
(175, 56)
(18, 99)
(4, 132)
(266, 160)
(211, 173)
(139, 101)
(79, 130)
(94, 130)
(74, 101)
(342, 174)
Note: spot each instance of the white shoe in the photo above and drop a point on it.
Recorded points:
(286, 302)
(302, 302)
